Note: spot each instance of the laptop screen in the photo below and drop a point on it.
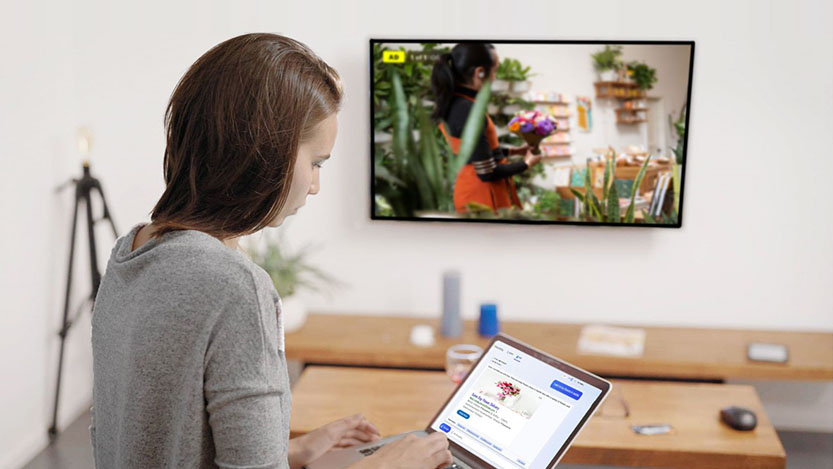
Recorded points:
(514, 410)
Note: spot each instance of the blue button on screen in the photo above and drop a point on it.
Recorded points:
(445, 428)
(566, 390)
(463, 414)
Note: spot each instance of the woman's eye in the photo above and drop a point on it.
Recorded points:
(318, 164)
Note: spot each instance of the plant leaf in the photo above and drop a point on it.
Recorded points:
(473, 127)
(429, 151)
(401, 124)
(588, 191)
(381, 172)
(636, 183)
(578, 194)
(596, 207)
(403, 144)
(605, 188)
(613, 204)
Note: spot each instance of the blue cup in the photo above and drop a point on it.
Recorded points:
(488, 325)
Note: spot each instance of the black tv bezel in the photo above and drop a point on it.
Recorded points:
(679, 223)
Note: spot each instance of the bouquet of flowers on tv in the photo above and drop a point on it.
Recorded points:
(533, 126)
(507, 389)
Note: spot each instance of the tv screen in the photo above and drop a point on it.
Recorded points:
(535, 132)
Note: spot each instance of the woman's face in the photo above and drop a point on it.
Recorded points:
(311, 155)
(493, 72)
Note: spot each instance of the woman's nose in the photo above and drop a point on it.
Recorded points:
(315, 186)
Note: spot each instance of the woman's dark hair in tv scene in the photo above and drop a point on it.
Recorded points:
(456, 68)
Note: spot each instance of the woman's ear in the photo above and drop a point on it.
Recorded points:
(479, 76)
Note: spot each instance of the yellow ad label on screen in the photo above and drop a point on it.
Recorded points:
(393, 56)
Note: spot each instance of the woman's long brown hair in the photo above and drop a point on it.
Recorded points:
(234, 124)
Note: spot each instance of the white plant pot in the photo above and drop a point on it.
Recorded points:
(293, 313)
(511, 109)
(521, 86)
(609, 75)
(510, 401)
(500, 85)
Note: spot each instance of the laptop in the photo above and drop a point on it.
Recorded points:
(518, 408)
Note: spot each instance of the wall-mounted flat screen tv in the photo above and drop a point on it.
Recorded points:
(533, 132)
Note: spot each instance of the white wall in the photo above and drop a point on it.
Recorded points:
(754, 249)
(38, 110)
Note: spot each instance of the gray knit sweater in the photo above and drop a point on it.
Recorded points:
(188, 358)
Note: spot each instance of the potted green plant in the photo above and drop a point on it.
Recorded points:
(514, 74)
(643, 75)
(607, 209)
(679, 129)
(501, 84)
(521, 84)
(416, 82)
(514, 105)
(291, 273)
(417, 173)
(608, 62)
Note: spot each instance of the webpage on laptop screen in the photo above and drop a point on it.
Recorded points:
(515, 410)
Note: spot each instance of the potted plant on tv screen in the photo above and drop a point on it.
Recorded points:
(643, 75)
(514, 74)
(607, 62)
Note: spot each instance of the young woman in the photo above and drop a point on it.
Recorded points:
(188, 351)
(486, 179)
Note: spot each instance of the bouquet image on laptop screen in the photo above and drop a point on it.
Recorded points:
(508, 393)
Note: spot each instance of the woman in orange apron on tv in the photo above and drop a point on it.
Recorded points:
(486, 178)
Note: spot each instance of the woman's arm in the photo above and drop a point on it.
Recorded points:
(349, 431)
(244, 388)
(485, 162)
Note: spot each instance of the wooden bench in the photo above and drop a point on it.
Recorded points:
(675, 353)
(397, 401)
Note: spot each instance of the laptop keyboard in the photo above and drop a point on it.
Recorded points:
(368, 451)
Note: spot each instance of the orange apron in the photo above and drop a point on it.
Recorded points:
(470, 188)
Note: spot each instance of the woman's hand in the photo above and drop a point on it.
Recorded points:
(531, 159)
(349, 431)
(411, 452)
(519, 150)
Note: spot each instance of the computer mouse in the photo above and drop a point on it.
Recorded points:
(739, 418)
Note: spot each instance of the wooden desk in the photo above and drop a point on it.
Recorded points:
(684, 353)
(396, 401)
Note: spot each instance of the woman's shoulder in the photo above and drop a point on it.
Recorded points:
(194, 260)
(191, 262)
(458, 112)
